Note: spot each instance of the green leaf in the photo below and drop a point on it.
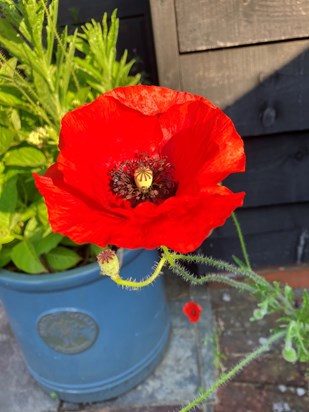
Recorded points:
(5, 256)
(95, 250)
(239, 262)
(25, 156)
(68, 242)
(6, 236)
(6, 139)
(8, 202)
(10, 96)
(34, 231)
(42, 212)
(61, 258)
(25, 258)
(48, 243)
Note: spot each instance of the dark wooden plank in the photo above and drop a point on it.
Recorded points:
(273, 235)
(263, 88)
(80, 11)
(267, 219)
(208, 24)
(135, 35)
(263, 249)
(166, 42)
(277, 170)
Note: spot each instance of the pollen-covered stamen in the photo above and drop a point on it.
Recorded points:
(144, 178)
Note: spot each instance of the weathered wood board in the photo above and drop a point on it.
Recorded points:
(263, 88)
(210, 24)
(166, 43)
(251, 58)
(273, 235)
(277, 170)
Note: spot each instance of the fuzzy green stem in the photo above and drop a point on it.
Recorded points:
(138, 285)
(241, 240)
(222, 265)
(186, 275)
(227, 376)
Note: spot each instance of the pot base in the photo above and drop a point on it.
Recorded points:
(109, 388)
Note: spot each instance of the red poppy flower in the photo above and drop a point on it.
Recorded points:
(193, 310)
(140, 167)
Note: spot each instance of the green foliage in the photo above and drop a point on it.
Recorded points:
(44, 74)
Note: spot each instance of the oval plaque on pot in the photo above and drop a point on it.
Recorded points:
(68, 331)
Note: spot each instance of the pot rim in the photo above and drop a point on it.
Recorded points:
(59, 280)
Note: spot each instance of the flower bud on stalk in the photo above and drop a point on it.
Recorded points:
(109, 263)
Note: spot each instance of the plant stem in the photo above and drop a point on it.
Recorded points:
(54, 22)
(228, 375)
(179, 270)
(222, 265)
(137, 285)
(241, 240)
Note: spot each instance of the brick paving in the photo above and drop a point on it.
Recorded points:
(268, 384)
(195, 355)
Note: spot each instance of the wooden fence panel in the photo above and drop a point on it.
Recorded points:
(251, 58)
(277, 170)
(273, 234)
(263, 88)
(200, 22)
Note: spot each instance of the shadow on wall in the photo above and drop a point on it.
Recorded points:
(273, 118)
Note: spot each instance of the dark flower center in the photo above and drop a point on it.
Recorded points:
(144, 178)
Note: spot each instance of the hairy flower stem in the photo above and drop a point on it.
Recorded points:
(228, 375)
(186, 275)
(132, 284)
(247, 272)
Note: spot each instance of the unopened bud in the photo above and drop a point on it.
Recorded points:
(109, 263)
(289, 354)
(143, 177)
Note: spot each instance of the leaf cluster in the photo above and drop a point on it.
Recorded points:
(44, 73)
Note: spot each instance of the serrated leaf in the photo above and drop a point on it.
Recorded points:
(10, 96)
(8, 66)
(25, 156)
(48, 243)
(26, 259)
(62, 258)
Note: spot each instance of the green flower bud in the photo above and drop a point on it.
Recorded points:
(109, 263)
(289, 354)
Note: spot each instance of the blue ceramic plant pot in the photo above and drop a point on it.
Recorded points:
(82, 336)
